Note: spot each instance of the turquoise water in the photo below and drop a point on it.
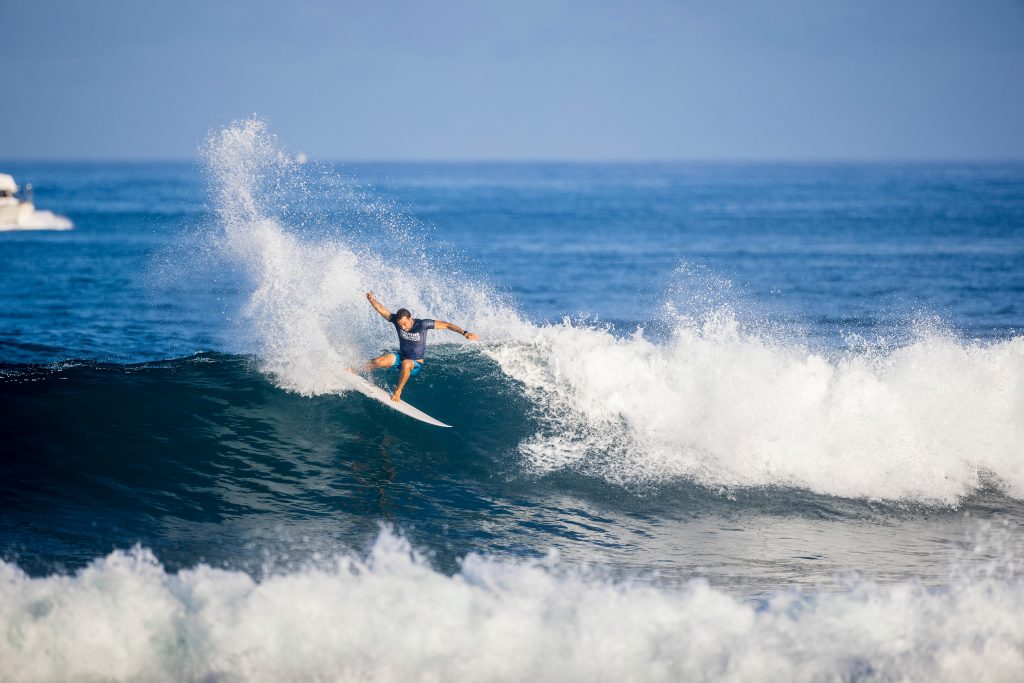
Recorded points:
(781, 406)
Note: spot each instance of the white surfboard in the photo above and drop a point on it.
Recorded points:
(375, 392)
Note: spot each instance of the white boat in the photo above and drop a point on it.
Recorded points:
(17, 213)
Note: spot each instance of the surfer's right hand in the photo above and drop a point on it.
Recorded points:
(369, 296)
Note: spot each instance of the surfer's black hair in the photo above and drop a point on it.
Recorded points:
(402, 313)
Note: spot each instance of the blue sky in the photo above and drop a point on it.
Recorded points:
(573, 80)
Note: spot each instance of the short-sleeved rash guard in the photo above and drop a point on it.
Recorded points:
(413, 344)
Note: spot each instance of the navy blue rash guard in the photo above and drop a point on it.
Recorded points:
(412, 344)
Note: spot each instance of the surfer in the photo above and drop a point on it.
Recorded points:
(412, 342)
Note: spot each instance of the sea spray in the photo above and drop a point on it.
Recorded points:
(306, 310)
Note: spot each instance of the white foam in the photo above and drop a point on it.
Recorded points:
(391, 617)
(929, 421)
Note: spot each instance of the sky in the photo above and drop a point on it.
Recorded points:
(796, 80)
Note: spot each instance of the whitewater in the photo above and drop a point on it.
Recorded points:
(390, 617)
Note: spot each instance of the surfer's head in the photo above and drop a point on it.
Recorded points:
(403, 318)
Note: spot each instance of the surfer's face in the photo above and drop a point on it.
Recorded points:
(405, 323)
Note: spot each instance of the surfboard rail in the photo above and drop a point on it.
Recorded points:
(369, 390)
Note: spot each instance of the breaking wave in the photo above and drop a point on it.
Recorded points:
(712, 401)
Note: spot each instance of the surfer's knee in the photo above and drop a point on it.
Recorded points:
(408, 364)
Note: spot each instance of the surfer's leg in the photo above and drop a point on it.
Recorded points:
(386, 361)
(403, 377)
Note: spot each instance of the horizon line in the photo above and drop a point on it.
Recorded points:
(552, 161)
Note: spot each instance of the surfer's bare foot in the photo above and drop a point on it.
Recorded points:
(396, 397)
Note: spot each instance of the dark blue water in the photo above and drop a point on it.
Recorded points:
(767, 376)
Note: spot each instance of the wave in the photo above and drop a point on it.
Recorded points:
(933, 422)
(390, 617)
(712, 401)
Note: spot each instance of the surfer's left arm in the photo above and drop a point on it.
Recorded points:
(442, 325)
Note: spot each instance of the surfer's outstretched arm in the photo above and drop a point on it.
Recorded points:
(442, 325)
(385, 313)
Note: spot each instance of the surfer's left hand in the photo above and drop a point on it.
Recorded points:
(471, 336)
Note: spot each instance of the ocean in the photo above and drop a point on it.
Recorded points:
(725, 421)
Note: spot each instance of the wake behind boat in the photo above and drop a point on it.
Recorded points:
(20, 213)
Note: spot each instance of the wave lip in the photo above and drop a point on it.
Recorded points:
(390, 617)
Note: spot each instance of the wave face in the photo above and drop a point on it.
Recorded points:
(391, 617)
